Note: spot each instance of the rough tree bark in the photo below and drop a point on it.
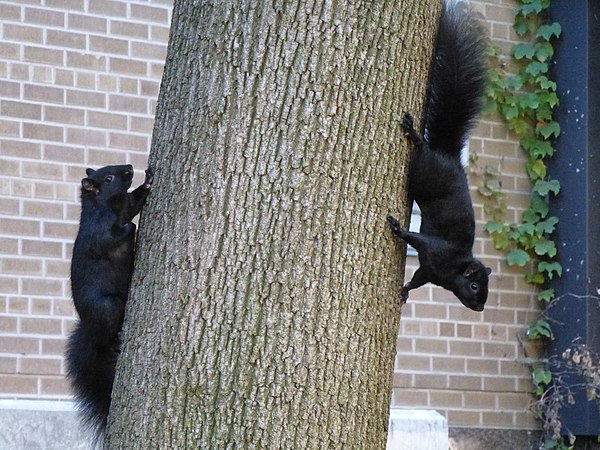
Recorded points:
(264, 305)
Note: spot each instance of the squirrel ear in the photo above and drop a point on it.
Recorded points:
(488, 270)
(89, 171)
(89, 185)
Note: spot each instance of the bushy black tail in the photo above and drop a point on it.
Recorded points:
(457, 79)
(91, 371)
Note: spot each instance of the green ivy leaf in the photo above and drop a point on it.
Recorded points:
(536, 169)
(539, 206)
(530, 100)
(546, 295)
(548, 129)
(521, 25)
(550, 268)
(523, 50)
(548, 30)
(535, 6)
(537, 148)
(544, 51)
(544, 83)
(543, 187)
(535, 278)
(541, 328)
(547, 226)
(536, 67)
(541, 377)
(517, 257)
(545, 247)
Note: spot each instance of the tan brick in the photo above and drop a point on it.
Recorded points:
(499, 384)
(62, 38)
(109, 45)
(19, 227)
(131, 29)
(53, 347)
(64, 115)
(54, 386)
(463, 418)
(464, 382)
(19, 345)
(10, 12)
(44, 16)
(58, 269)
(446, 399)
(128, 142)
(498, 419)
(409, 397)
(43, 132)
(9, 128)
(86, 61)
(39, 366)
(43, 55)
(41, 286)
(111, 121)
(448, 364)
(86, 137)
(23, 33)
(483, 366)
(63, 154)
(108, 8)
(466, 348)
(429, 381)
(9, 206)
(8, 246)
(42, 74)
(85, 22)
(41, 248)
(480, 400)
(149, 88)
(10, 50)
(64, 77)
(149, 52)
(64, 308)
(48, 326)
(128, 66)
(43, 94)
(86, 99)
(412, 362)
(8, 364)
(60, 230)
(21, 109)
(42, 171)
(433, 346)
(41, 306)
(430, 310)
(21, 266)
(8, 324)
(8, 285)
(19, 384)
(69, 5)
(149, 13)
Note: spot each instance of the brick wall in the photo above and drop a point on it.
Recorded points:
(462, 363)
(78, 87)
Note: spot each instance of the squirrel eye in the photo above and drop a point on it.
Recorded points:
(474, 287)
(108, 179)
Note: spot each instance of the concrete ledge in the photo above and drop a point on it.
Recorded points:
(417, 429)
(39, 424)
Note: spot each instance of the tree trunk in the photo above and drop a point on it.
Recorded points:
(264, 305)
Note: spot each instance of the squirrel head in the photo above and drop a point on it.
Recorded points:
(107, 182)
(471, 287)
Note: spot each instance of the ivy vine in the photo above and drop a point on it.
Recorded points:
(526, 100)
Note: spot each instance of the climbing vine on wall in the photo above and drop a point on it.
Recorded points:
(525, 99)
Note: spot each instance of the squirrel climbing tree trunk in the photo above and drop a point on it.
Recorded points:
(264, 304)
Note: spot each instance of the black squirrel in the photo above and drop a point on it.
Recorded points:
(101, 270)
(436, 178)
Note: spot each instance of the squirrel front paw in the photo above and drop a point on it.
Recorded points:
(408, 123)
(395, 225)
(149, 177)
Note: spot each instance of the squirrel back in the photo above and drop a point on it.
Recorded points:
(101, 269)
(457, 80)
